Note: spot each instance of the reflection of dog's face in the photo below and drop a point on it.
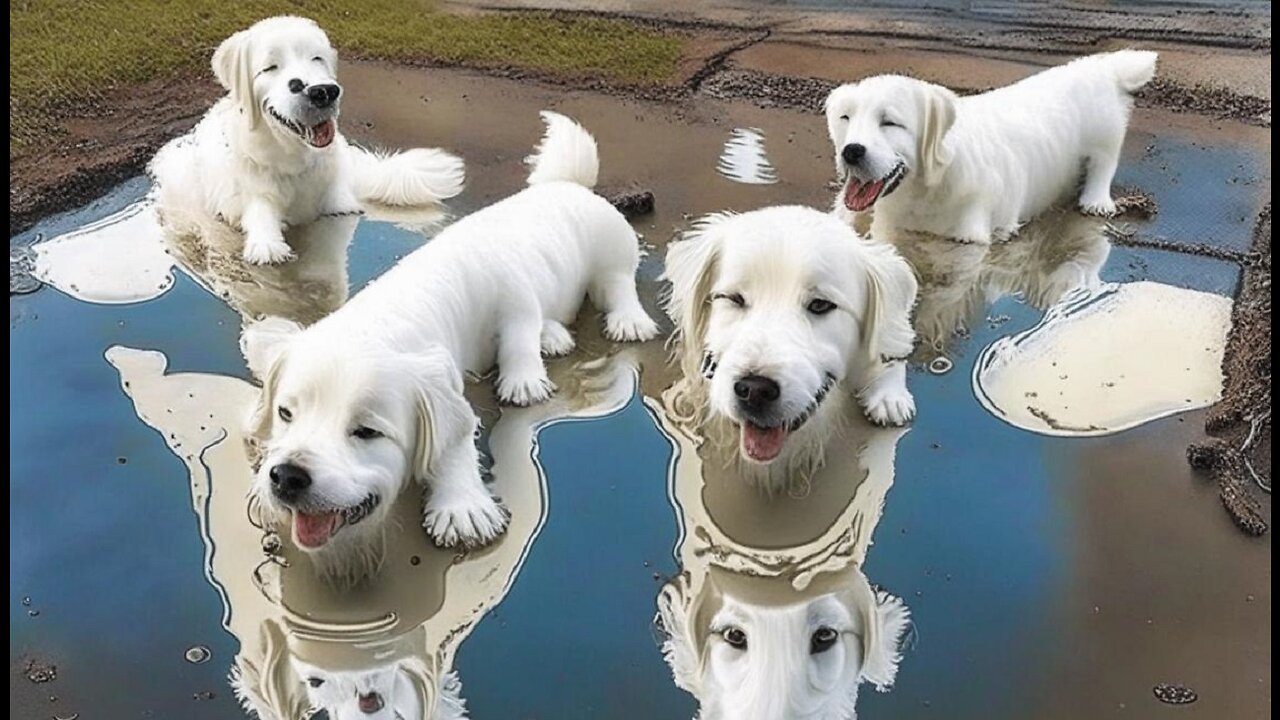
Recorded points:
(884, 129)
(776, 308)
(282, 73)
(804, 660)
(376, 694)
(343, 429)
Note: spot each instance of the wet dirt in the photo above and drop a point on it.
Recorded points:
(1238, 457)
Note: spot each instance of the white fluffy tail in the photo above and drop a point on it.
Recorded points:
(567, 153)
(407, 186)
(1133, 68)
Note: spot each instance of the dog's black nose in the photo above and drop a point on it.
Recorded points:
(322, 96)
(296, 86)
(289, 481)
(853, 152)
(756, 392)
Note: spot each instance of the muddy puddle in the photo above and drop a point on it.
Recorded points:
(972, 567)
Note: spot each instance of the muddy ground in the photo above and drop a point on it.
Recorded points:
(1215, 61)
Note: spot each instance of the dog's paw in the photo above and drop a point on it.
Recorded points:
(521, 390)
(1099, 207)
(556, 339)
(633, 326)
(269, 252)
(892, 405)
(472, 520)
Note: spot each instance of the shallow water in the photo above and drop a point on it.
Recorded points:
(1045, 577)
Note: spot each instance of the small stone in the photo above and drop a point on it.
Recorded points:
(415, 560)
(197, 654)
(1173, 694)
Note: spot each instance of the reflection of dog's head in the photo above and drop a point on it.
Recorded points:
(774, 310)
(342, 430)
(888, 130)
(281, 73)
(745, 652)
(349, 684)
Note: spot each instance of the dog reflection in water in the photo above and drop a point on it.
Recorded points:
(771, 616)
(386, 649)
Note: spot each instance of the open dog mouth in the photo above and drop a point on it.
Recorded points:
(764, 444)
(313, 529)
(320, 135)
(860, 195)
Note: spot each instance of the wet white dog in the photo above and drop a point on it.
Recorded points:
(779, 313)
(370, 398)
(975, 168)
(269, 156)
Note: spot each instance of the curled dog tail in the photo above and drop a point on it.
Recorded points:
(407, 187)
(1133, 68)
(567, 153)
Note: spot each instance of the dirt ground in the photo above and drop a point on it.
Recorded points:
(1214, 62)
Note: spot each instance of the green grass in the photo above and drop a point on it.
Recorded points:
(66, 50)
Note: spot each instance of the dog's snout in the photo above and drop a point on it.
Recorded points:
(296, 86)
(756, 392)
(322, 96)
(289, 481)
(853, 152)
(370, 703)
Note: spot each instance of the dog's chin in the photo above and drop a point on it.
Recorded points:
(860, 195)
(312, 530)
(318, 135)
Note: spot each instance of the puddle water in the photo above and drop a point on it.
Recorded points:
(744, 160)
(1041, 576)
(119, 259)
(1153, 350)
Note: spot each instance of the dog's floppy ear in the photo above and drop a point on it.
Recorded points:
(264, 342)
(891, 292)
(444, 417)
(885, 620)
(938, 114)
(268, 687)
(691, 269)
(232, 65)
(681, 648)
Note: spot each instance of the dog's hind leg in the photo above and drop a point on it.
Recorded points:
(1100, 170)
(522, 377)
(625, 319)
(556, 339)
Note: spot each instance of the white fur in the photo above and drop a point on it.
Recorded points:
(243, 166)
(777, 676)
(978, 167)
(779, 260)
(498, 286)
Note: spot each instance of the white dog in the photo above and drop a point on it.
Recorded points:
(975, 168)
(370, 397)
(269, 156)
(779, 313)
(755, 649)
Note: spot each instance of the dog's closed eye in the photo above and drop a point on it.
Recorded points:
(269, 68)
(315, 682)
(733, 297)
(844, 118)
(364, 432)
(822, 640)
(285, 413)
(886, 122)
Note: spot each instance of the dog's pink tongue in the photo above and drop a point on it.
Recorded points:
(314, 530)
(322, 134)
(763, 444)
(860, 196)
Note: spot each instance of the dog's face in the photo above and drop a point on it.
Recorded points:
(374, 694)
(343, 429)
(775, 309)
(884, 130)
(282, 73)
(750, 661)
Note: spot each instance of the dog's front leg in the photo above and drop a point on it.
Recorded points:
(264, 242)
(884, 395)
(459, 509)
